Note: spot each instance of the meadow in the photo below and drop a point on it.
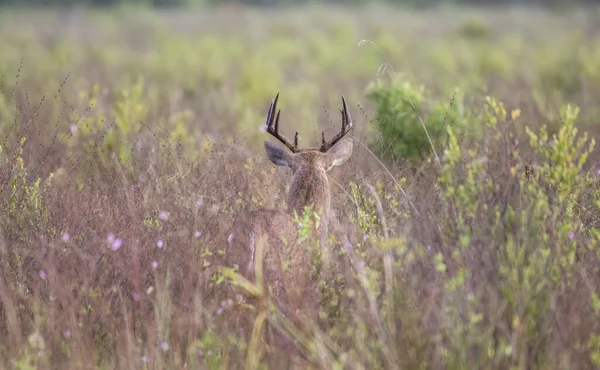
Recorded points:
(468, 213)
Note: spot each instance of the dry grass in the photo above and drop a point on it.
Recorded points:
(116, 207)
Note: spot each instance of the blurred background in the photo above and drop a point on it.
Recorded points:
(131, 135)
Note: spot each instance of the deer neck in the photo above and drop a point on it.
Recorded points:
(309, 186)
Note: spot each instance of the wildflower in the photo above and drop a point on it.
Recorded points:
(41, 353)
(197, 234)
(136, 296)
(163, 215)
(209, 353)
(66, 237)
(199, 202)
(154, 265)
(67, 333)
(347, 243)
(220, 311)
(571, 235)
(365, 237)
(144, 359)
(428, 248)
(598, 172)
(200, 353)
(117, 244)
(73, 128)
(110, 238)
(43, 275)
(164, 346)
(160, 243)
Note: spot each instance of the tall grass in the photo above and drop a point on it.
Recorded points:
(129, 143)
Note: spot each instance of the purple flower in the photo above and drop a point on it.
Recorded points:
(67, 333)
(154, 265)
(199, 202)
(347, 243)
(144, 359)
(160, 243)
(220, 311)
(197, 234)
(136, 296)
(73, 128)
(117, 244)
(365, 237)
(164, 346)
(43, 275)
(571, 235)
(163, 215)
(110, 238)
(66, 237)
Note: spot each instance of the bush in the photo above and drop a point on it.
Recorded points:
(408, 123)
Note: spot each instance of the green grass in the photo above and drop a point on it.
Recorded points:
(129, 141)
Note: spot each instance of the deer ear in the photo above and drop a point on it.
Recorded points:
(278, 155)
(339, 153)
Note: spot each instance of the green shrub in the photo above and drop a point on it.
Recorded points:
(408, 122)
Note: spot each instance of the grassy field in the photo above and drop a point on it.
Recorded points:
(469, 211)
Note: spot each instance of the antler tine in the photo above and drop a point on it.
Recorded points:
(346, 126)
(273, 126)
(270, 115)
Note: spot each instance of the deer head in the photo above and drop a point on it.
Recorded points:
(309, 185)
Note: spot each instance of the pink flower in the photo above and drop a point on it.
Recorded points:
(66, 237)
(571, 235)
(117, 244)
(160, 243)
(154, 265)
(43, 275)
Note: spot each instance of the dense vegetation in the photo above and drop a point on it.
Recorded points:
(469, 212)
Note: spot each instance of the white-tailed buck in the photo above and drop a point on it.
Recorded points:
(287, 263)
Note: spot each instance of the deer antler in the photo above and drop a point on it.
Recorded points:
(346, 126)
(273, 129)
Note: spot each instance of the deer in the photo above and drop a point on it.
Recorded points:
(309, 189)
